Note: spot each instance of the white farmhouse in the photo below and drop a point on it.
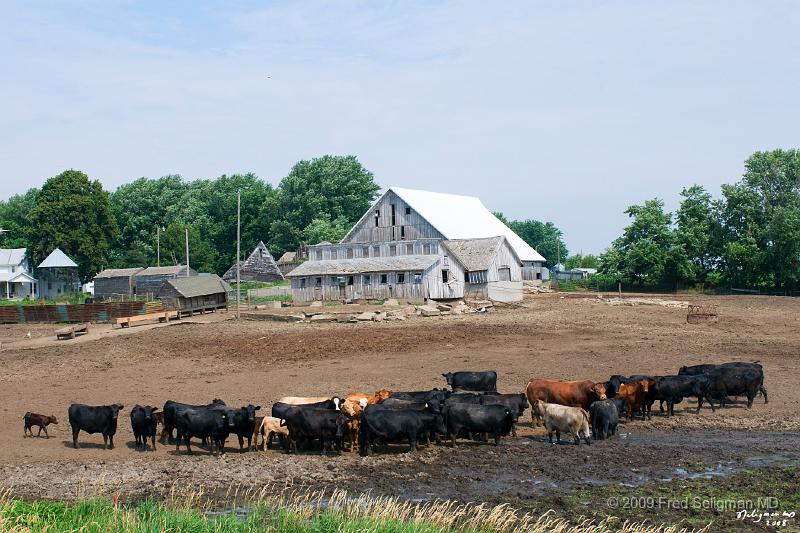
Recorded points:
(15, 280)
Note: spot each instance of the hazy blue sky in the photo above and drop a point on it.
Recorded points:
(563, 111)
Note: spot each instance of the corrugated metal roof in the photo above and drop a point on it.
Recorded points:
(461, 217)
(118, 272)
(199, 285)
(330, 267)
(12, 256)
(15, 277)
(156, 271)
(57, 259)
(474, 254)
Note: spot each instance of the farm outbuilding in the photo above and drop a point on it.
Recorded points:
(195, 294)
(259, 266)
(151, 279)
(58, 274)
(116, 283)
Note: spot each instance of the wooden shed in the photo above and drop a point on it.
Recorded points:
(259, 266)
(195, 294)
(151, 279)
(116, 283)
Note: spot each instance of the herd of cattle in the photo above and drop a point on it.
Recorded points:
(472, 408)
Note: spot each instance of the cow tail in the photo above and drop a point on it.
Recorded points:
(585, 415)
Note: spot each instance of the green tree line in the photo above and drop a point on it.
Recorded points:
(748, 238)
(318, 200)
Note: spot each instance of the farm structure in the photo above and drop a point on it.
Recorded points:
(150, 280)
(116, 283)
(419, 245)
(16, 281)
(259, 266)
(58, 274)
(195, 294)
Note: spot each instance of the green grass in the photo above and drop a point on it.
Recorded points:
(275, 510)
(260, 284)
(68, 298)
(255, 300)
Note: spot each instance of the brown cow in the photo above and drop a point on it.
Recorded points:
(634, 394)
(352, 407)
(570, 393)
(33, 419)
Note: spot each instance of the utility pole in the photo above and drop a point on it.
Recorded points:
(158, 245)
(238, 251)
(187, 251)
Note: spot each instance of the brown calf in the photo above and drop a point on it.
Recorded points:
(33, 419)
(634, 394)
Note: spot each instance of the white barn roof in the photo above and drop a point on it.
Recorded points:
(57, 259)
(463, 217)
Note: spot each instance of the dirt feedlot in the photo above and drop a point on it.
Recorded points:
(735, 452)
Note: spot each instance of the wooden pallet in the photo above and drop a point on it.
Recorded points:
(70, 332)
(163, 316)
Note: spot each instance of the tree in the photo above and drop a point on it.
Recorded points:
(173, 248)
(73, 213)
(545, 237)
(323, 229)
(697, 231)
(647, 251)
(582, 261)
(337, 186)
(15, 218)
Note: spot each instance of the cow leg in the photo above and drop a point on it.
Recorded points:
(75, 431)
(763, 390)
(497, 438)
(577, 437)
(453, 439)
(111, 442)
(513, 430)
(153, 436)
(750, 398)
(45, 433)
(558, 436)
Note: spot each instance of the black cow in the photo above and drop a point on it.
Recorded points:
(431, 406)
(94, 419)
(495, 420)
(143, 424)
(310, 423)
(464, 397)
(473, 381)
(433, 394)
(673, 389)
(244, 420)
(707, 368)
(516, 402)
(735, 381)
(622, 406)
(604, 417)
(205, 423)
(397, 425)
(172, 410)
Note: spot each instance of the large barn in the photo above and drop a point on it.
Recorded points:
(417, 245)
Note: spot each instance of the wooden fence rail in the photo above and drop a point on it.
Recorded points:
(67, 313)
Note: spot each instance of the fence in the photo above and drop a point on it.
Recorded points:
(67, 313)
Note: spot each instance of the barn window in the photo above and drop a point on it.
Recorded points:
(401, 277)
(349, 280)
(393, 216)
(445, 276)
(376, 251)
(365, 279)
(426, 249)
(334, 254)
(319, 255)
(505, 273)
(349, 253)
(365, 251)
(467, 277)
(402, 232)
(408, 210)
(434, 249)
(409, 249)
(393, 250)
(384, 279)
(417, 277)
(318, 282)
(302, 283)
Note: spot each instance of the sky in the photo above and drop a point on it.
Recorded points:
(562, 111)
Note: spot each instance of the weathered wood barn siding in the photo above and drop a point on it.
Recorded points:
(406, 226)
(373, 249)
(115, 284)
(150, 280)
(195, 294)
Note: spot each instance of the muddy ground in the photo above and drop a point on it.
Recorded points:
(729, 453)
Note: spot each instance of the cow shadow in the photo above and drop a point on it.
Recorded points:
(82, 444)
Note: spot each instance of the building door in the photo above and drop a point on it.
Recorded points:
(504, 273)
